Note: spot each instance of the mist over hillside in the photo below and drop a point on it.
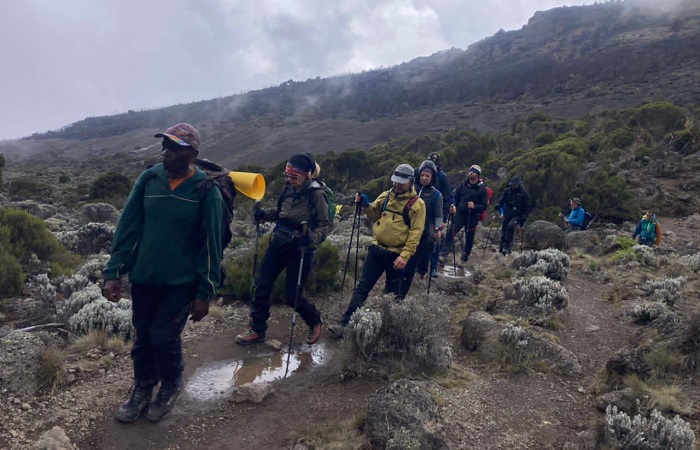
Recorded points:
(567, 62)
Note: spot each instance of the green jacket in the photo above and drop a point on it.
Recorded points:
(390, 230)
(166, 237)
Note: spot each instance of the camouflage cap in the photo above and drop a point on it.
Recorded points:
(182, 134)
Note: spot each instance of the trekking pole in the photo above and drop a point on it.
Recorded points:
(488, 238)
(357, 243)
(302, 250)
(454, 248)
(355, 216)
(256, 207)
(432, 264)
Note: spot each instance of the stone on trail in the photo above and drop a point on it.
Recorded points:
(252, 392)
(54, 439)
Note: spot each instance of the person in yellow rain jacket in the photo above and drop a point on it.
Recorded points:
(648, 230)
(399, 219)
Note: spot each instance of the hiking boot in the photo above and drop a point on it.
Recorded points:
(337, 330)
(165, 400)
(421, 279)
(132, 408)
(314, 333)
(464, 258)
(434, 273)
(250, 337)
(504, 251)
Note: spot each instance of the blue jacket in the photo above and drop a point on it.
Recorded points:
(577, 216)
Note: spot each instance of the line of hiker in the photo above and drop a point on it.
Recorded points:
(176, 223)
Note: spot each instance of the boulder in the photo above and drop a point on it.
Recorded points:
(19, 362)
(99, 213)
(252, 392)
(628, 362)
(624, 399)
(404, 415)
(54, 439)
(542, 234)
(560, 359)
(588, 241)
(478, 328)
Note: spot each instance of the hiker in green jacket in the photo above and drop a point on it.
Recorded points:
(169, 242)
(648, 230)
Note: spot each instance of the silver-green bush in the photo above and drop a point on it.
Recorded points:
(541, 293)
(551, 263)
(101, 314)
(666, 290)
(640, 433)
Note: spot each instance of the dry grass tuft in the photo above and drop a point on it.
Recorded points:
(97, 339)
(653, 395)
(52, 374)
(216, 312)
(455, 377)
(345, 435)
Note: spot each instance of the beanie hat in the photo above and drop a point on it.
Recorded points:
(302, 161)
(475, 168)
(428, 165)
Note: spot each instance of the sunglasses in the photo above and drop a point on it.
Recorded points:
(291, 177)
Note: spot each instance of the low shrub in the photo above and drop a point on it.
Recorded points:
(411, 333)
(642, 433)
(101, 314)
(551, 263)
(666, 290)
(545, 296)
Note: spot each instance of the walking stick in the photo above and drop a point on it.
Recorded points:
(432, 264)
(357, 243)
(302, 250)
(488, 238)
(253, 285)
(355, 218)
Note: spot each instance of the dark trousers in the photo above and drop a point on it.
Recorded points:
(508, 231)
(378, 261)
(418, 263)
(273, 263)
(159, 315)
(469, 222)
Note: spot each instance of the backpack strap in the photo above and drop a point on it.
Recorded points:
(407, 208)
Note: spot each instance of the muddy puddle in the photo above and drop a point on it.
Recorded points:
(450, 271)
(216, 381)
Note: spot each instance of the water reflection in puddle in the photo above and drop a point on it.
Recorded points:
(217, 380)
(455, 272)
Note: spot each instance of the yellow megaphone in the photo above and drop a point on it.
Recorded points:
(251, 185)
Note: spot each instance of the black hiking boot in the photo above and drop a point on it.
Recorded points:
(132, 408)
(165, 400)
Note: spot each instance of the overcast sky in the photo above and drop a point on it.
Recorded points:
(64, 60)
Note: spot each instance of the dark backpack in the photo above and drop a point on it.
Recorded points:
(406, 208)
(489, 196)
(219, 176)
(587, 219)
(327, 192)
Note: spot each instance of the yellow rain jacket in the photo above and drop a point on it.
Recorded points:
(390, 230)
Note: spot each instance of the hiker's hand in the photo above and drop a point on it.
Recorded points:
(399, 263)
(566, 220)
(438, 233)
(453, 209)
(561, 215)
(259, 215)
(500, 216)
(200, 308)
(112, 290)
(361, 198)
(470, 205)
(304, 241)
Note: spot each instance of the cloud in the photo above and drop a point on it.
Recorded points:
(78, 58)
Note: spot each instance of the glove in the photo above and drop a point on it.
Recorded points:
(364, 201)
(304, 241)
(259, 215)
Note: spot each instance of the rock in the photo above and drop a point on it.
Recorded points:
(54, 439)
(477, 328)
(19, 361)
(99, 213)
(628, 362)
(542, 234)
(560, 359)
(588, 241)
(404, 415)
(625, 400)
(252, 392)
(273, 343)
(26, 406)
